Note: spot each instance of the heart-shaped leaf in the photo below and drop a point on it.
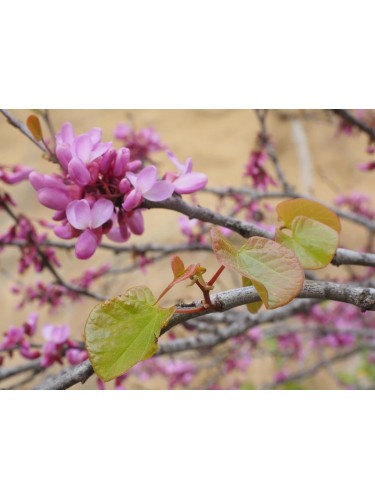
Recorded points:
(123, 331)
(289, 209)
(314, 243)
(310, 230)
(274, 269)
(253, 307)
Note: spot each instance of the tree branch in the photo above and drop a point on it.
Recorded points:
(364, 298)
(22, 128)
(348, 117)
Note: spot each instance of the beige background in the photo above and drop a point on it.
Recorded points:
(219, 142)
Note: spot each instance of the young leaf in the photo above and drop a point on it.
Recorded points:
(123, 331)
(289, 209)
(274, 270)
(178, 267)
(310, 230)
(253, 307)
(33, 124)
(314, 243)
(181, 274)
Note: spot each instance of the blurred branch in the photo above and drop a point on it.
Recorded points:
(309, 372)
(33, 365)
(265, 140)
(348, 117)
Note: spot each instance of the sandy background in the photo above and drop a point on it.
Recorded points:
(315, 159)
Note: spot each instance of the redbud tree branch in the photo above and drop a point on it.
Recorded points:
(364, 298)
(245, 229)
(260, 195)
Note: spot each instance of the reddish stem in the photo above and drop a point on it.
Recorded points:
(216, 275)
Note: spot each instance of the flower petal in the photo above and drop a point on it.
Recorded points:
(64, 155)
(66, 232)
(101, 212)
(180, 167)
(118, 236)
(136, 223)
(53, 198)
(66, 134)
(132, 200)
(99, 150)
(189, 183)
(160, 191)
(86, 244)
(95, 135)
(78, 214)
(132, 178)
(83, 148)
(78, 172)
(146, 178)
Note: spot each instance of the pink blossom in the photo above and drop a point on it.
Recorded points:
(76, 356)
(192, 228)
(12, 337)
(27, 352)
(58, 334)
(89, 220)
(146, 186)
(76, 153)
(366, 167)
(140, 143)
(51, 353)
(186, 182)
(254, 334)
(52, 191)
(14, 175)
(31, 324)
(281, 376)
(255, 168)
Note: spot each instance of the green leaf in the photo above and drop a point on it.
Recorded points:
(253, 307)
(123, 331)
(274, 270)
(310, 230)
(314, 243)
(289, 209)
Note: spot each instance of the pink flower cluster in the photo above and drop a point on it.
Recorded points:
(58, 345)
(101, 189)
(50, 294)
(16, 338)
(357, 203)
(255, 169)
(24, 235)
(141, 144)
